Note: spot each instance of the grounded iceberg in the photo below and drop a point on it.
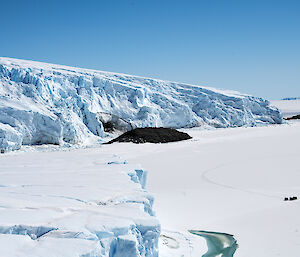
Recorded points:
(46, 103)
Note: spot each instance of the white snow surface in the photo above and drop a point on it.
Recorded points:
(226, 180)
(231, 180)
(79, 203)
(46, 103)
(288, 108)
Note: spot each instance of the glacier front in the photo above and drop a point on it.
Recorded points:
(53, 104)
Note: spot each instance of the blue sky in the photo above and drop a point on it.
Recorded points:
(250, 46)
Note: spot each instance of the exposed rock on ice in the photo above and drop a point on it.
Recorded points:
(295, 117)
(151, 135)
(45, 103)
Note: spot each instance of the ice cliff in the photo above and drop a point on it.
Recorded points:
(79, 203)
(47, 103)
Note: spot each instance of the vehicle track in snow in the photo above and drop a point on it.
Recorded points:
(206, 178)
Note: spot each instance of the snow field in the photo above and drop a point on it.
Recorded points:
(227, 180)
(288, 107)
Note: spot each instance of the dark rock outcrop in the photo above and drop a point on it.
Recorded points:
(151, 135)
(296, 117)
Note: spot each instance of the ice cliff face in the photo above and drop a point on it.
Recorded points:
(46, 103)
(80, 203)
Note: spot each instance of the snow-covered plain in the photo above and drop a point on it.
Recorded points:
(79, 203)
(288, 108)
(47, 103)
(230, 180)
(227, 180)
